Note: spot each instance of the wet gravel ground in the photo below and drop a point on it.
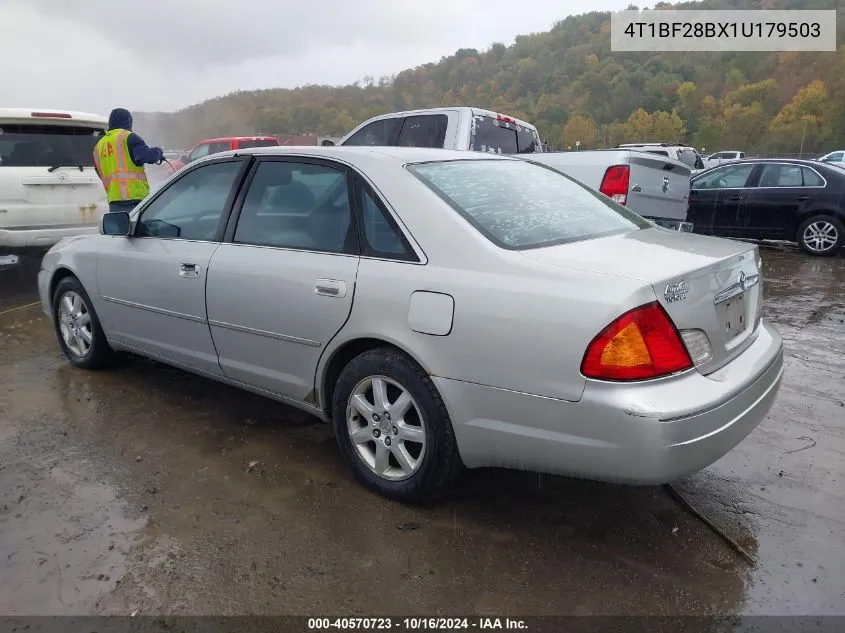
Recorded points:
(147, 489)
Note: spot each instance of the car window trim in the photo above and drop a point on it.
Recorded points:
(361, 187)
(234, 216)
(227, 208)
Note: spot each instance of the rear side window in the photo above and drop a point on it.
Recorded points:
(378, 133)
(811, 178)
(26, 145)
(423, 131)
(246, 144)
(519, 205)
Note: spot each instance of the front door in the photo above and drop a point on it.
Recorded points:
(153, 283)
(717, 199)
(282, 285)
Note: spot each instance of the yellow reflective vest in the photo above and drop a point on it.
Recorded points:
(122, 178)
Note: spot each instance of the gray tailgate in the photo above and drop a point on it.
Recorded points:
(658, 186)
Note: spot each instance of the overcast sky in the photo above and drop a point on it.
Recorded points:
(94, 55)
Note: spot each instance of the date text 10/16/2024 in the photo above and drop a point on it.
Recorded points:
(416, 624)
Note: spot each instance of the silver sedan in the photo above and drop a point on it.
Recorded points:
(440, 309)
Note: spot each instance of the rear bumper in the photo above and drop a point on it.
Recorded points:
(11, 239)
(647, 433)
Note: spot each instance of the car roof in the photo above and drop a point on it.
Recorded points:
(472, 110)
(65, 116)
(400, 155)
(238, 138)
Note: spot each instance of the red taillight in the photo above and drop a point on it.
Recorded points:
(615, 183)
(51, 115)
(506, 119)
(643, 343)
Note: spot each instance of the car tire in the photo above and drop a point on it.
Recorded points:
(434, 463)
(821, 235)
(75, 321)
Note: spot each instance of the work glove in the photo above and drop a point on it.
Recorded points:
(160, 153)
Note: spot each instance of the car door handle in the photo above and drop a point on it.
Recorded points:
(330, 288)
(189, 271)
(737, 197)
(802, 198)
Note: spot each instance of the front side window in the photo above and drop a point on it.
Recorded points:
(199, 152)
(191, 208)
(427, 130)
(519, 205)
(836, 157)
(378, 133)
(731, 177)
(27, 145)
(297, 205)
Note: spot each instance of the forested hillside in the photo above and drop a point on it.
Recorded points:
(573, 87)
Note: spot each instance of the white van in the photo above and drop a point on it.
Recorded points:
(49, 188)
(461, 128)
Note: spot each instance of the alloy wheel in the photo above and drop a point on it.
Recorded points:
(75, 324)
(820, 236)
(386, 428)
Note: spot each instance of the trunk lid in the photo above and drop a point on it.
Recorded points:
(703, 283)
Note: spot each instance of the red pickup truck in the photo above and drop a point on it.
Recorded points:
(215, 145)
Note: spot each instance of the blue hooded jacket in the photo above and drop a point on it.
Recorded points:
(141, 153)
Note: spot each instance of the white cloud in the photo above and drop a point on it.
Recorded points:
(163, 55)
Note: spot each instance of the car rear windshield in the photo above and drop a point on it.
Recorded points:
(520, 205)
(36, 145)
(258, 143)
(502, 137)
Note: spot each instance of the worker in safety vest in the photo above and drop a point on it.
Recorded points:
(119, 157)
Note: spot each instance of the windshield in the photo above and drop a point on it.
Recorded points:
(258, 143)
(519, 205)
(38, 145)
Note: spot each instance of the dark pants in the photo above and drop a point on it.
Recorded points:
(123, 205)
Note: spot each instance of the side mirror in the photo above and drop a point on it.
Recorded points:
(116, 223)
(327, 143)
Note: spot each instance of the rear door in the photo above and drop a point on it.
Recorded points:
(282, 285)
(47, 175)
(784, 190)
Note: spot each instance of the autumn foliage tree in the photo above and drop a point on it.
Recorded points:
(571, 84)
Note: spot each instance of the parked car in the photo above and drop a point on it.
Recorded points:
(687, 155)
(718, 158)
(654, 187)
(217, 145)
(772, 199)
(438, 307)
(459, 128)
(49, 188)
(834, 158)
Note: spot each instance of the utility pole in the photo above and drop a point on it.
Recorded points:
(803, 133)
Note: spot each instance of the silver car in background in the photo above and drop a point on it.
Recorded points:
(440, 308)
